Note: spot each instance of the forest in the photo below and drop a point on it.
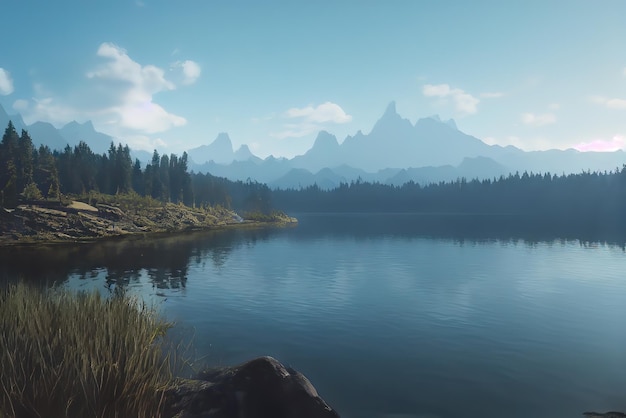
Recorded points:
(588, 197)
(45, 174)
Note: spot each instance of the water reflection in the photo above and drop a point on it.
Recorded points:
(433, 315)
(163, 260)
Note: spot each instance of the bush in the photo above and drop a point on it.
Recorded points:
(32, 192)
(68, 354)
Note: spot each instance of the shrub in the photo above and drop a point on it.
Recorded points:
(66, 354)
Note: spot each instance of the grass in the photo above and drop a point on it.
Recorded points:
(67, 354)
(273, 216)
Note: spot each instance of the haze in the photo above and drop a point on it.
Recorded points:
(172, 75)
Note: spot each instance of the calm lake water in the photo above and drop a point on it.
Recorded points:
(399, 316)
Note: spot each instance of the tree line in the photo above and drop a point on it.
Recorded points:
(45, 174)
(590, 197)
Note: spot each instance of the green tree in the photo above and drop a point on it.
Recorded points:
(9, 176)
(46, 176)
(138, 182)
(24, 161)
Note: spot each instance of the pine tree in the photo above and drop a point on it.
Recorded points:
(24, 164)
(46, 176)
(8, 177)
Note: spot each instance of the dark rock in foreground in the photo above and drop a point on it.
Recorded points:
(260, 388)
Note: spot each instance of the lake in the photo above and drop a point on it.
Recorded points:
(392, 315)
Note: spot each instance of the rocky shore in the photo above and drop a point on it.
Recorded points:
(260, 388)
(54, 221)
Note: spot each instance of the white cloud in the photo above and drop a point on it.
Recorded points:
(492, 95)
(554, 106)
(463, 102)
(20, 105)
(6, 82)
(326, 112)
(191, 70)
(118, 96)
(307, 120)
(45, 109)
(133, 106)
(293, 130)
(143, 79)
(538, 120)
(148, 117)
(614, 103)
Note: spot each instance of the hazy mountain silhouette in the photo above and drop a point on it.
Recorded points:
(75, 132)
(395, 142)
(393, 152)
(43, 133)
(17, 120)
(397, 151)
(220, 151)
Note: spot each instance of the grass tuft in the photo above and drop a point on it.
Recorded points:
(67, 354)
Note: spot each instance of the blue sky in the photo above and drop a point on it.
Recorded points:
(172, 74)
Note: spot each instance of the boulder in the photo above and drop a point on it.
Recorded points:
(260, 388)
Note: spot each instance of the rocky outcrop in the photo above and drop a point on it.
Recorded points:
(260, 388)
(610, 414)
(47, 221)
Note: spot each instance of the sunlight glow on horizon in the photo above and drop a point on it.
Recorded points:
(618, 142)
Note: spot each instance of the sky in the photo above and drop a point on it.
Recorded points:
(172, 74)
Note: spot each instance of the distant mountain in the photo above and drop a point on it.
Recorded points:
(264, 171)
(395, 142)
(43, 133)
(300, 178)
(17, 120)
(393, 152)
(244, 154)
(326, 152)
(397, 151)
(75, 132)
(481, 168)
(220, 151)
(144, 157)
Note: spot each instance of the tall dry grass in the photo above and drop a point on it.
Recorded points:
(65, 354)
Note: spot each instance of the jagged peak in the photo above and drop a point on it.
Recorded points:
(243, 148)
(391, 109)
(222, 137)
(451, 123)
(243, 152)
(390, 120)
(325, 139)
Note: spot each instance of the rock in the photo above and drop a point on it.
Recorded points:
(260, 388)
(610, 414)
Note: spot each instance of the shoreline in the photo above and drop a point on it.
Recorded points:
(44, 223)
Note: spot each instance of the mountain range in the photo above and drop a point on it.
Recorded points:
(394, 152)
(44, 133)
